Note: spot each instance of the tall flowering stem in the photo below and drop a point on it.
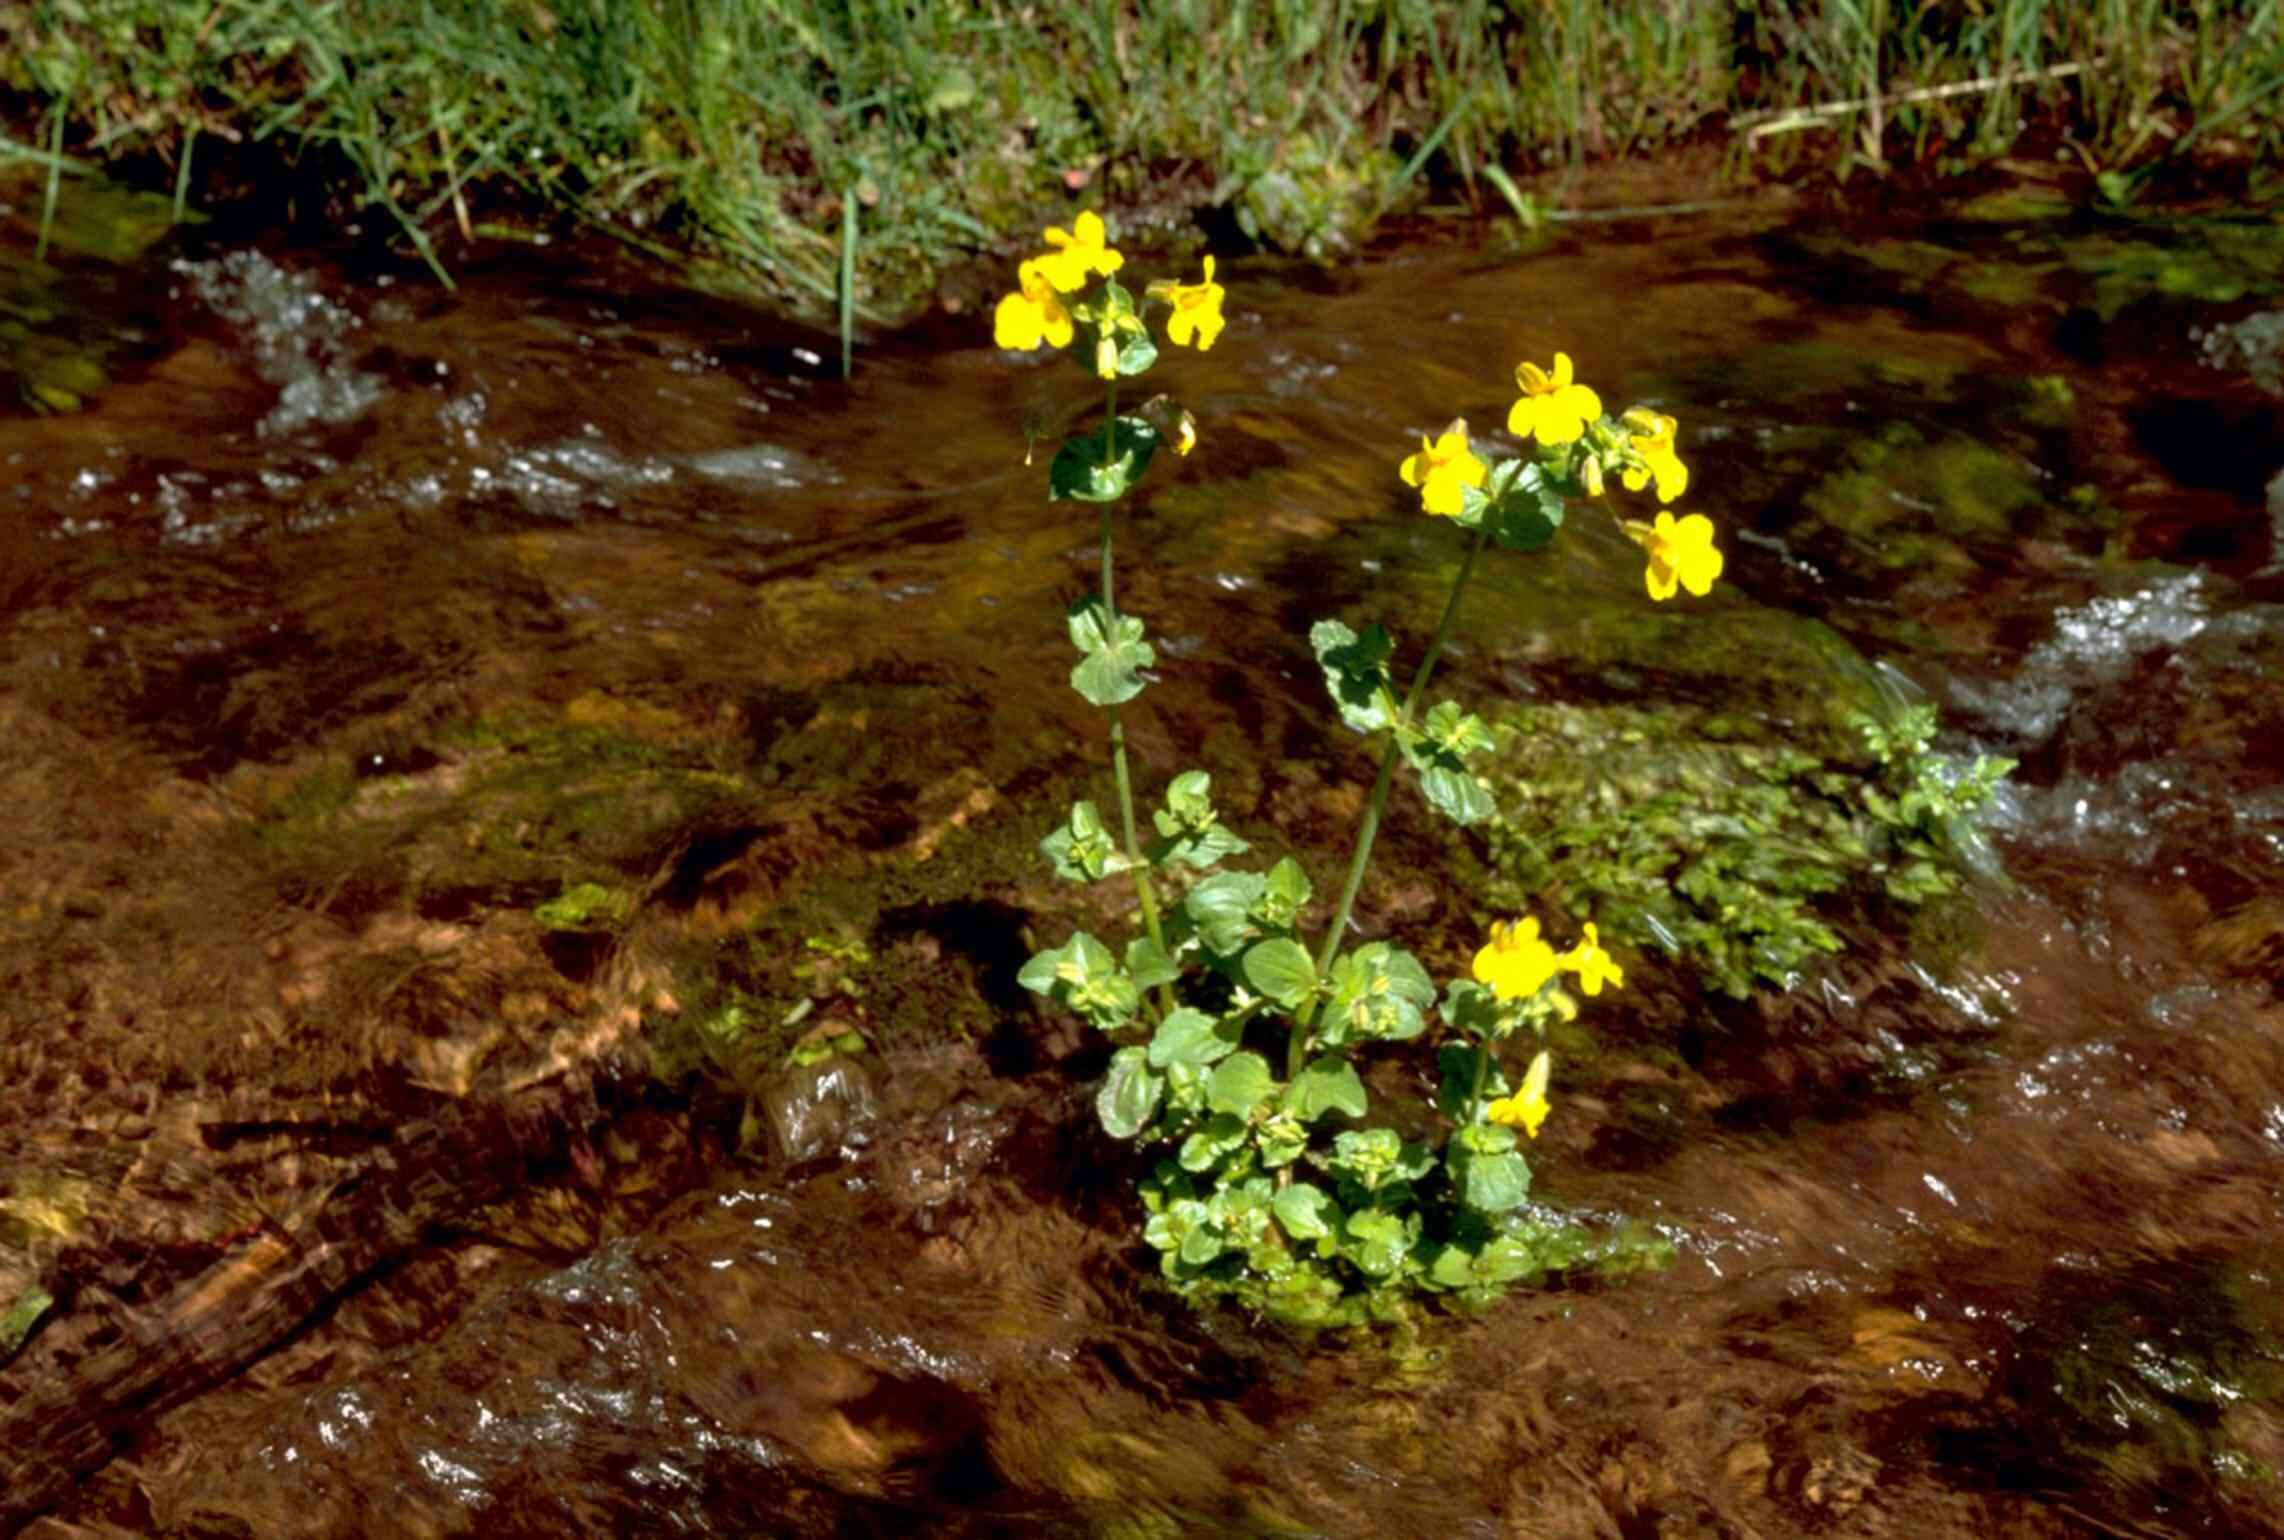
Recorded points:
(1296, 1049)
(1144, 891)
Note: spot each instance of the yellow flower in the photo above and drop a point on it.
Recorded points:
(1681, 553)
(1078, 252)
(1441, 468)
(1593, 965)
(1106, 359)
(1033, 316)
(1528, 1107)
(1197, 309)
(1654, 445)
(1552, 408)
(1185, 434)
(1516, 962)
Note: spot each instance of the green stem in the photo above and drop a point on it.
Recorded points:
(1482, 1073)
(1296, 1052)
(1143, 890)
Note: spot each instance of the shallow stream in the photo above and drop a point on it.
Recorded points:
(351, 622)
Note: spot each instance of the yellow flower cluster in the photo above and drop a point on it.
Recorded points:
(1035, 312)
(1562, 414)
(1516, 963)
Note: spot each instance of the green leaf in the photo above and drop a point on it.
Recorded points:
(1137, 355)
(1223, 1133)
(1328, 1084)
(1455, 733)
(1192, 1037)
(1455, 1084)
(588, 906)
(1221, 908)
(1287, 890)
(1082, 976)
(1082, 849)
(1438, 749)
(1128, 1099)
(1202, 850)
(1356, 672)
(1474, 1010)
(1148, 966)
(1495, 1184)
(1281, 1141)
(1523, 511)
(1082, 471)
(1238, 1084)
(1280, 969)
(1458, 795)
(1505, 1259)
(1189, 802)
(1116, 654)
(1484, 1139)
(1378, 991)
(1453, 1268)
(1192, 833)
(1306, 1211)
(1170, 1227)
(1377, 1242)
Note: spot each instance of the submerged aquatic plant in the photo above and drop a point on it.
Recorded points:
(1238, 1040)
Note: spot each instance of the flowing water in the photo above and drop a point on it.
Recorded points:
(352, 622)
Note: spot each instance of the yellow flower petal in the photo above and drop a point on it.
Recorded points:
(1553, 409)
(1016, 323)
(1681, 555)
(1593, 966)
(1528, 1107)
(1516, 962)
(1078, 252)
(1023, 320)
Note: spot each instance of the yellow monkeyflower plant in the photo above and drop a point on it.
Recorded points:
(1240, 1005)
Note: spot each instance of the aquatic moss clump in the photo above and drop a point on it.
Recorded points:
(1738, 857)
(522, 813)
(2157, 1389)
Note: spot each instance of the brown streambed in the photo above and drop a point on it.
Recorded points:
(353, 624)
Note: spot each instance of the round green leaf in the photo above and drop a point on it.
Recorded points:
(1306, 1211)
(1280, 969)
(1128, 1099)
(1238, 1084)
(1328, 1084)
(1190, 1036)
(1083, 471)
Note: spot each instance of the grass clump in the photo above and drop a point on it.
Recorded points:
(840, 154)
